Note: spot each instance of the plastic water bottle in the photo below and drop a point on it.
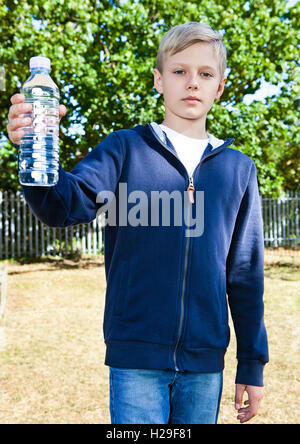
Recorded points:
(38, 161)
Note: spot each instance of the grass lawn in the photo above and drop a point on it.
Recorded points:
(52, 349)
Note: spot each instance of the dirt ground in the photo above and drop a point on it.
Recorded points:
(52, 349)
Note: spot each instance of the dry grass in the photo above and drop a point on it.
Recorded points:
(52, 350)
(52, 361)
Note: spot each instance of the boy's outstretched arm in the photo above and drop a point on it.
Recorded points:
(73, 199)
(245, 288)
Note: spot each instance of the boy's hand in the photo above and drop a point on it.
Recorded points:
(255, 395)
(16, 121)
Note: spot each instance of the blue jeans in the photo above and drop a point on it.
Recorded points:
(164, 396)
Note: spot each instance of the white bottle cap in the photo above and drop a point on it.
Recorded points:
(39, 62)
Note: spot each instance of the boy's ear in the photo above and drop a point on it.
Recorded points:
(157, 81)
(221, 88)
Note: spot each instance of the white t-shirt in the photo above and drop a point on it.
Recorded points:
(189, 150)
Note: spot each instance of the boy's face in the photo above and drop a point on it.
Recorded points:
(185, 74)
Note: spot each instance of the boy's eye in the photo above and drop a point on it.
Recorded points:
(206, 74)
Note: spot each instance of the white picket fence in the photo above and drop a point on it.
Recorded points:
(22, 234)
(281, 220)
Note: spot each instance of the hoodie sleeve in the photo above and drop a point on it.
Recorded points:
(73, 199)
(245, 286)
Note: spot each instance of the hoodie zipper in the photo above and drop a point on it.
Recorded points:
(190, 189)
(182, 297)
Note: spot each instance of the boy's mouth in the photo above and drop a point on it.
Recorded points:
(191, 99)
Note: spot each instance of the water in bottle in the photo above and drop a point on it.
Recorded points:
(38, 161)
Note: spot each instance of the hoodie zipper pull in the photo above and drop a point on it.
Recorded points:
(191, 190)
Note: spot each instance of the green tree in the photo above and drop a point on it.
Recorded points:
(103, 54)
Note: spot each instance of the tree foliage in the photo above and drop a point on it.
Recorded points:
(103, 54)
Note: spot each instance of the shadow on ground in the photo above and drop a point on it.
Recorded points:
(57, 262)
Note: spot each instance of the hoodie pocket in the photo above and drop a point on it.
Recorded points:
(224, 310)
(120, 288)
(223, 297)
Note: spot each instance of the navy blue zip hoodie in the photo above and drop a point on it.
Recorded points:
(166, 297)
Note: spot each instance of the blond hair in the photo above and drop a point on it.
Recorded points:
(182, 36)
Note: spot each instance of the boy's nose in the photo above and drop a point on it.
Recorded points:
(192, 84)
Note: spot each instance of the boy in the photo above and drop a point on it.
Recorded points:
(166, 318)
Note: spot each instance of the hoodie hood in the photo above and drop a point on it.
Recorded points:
(214, 141)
